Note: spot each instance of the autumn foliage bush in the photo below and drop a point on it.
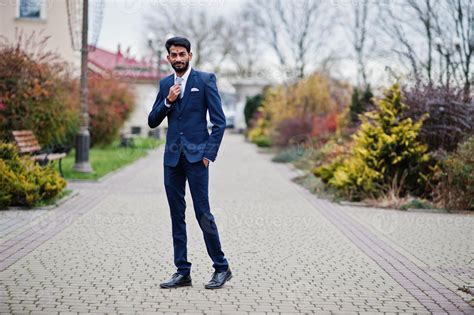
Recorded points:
(296, 110)
(324, 126)
(290, 128)
(38, 93)
(260, 132)
(34, 95)
(110, 103)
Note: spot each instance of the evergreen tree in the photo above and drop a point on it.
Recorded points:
(385, 152)
(253, 103)
(360, 103)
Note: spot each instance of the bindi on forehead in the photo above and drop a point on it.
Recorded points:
(177, 50)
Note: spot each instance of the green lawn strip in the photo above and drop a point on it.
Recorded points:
(109, 158)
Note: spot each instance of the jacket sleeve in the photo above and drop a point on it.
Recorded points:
(217, 117)
(159, 110)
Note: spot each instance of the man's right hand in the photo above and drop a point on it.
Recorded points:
(175, 91)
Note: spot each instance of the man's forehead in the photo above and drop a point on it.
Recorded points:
(177, 49)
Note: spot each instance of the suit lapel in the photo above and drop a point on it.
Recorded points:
(168, 84)
(187, 91)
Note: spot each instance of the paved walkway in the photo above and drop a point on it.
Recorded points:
(107, 249)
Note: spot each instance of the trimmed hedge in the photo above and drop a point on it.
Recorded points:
(23, 182)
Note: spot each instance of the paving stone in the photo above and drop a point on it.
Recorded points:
(289, 252)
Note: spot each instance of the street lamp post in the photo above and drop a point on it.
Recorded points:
(83, 137)
(155, 46)
(158, 64)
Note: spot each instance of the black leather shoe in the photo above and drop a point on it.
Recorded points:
(177, 280)
(219, 279)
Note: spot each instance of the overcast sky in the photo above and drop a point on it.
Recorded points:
(123, 23)
(123, 20)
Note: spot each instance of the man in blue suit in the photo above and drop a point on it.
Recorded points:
(185, 97)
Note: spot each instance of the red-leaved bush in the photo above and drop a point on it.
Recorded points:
(291, 128)
(324, 126)
(38, 93)
(34, 95)
(110, 103)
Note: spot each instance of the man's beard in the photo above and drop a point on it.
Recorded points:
(181, 68)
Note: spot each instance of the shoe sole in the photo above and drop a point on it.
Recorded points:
(176, 286)
(220, 285)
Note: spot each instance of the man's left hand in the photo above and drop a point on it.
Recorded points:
(206, 162)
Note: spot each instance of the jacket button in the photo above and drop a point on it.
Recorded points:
(181, 133)
(180, 117)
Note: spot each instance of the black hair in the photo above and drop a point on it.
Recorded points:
(178, 41)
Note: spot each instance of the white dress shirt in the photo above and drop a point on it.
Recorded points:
(183, 84)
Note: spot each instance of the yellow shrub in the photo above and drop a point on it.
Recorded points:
(385, 148)
(24, 183)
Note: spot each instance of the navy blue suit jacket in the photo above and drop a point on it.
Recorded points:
(187, 124)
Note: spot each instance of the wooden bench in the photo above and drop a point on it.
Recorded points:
(27, 143)
(127, 140)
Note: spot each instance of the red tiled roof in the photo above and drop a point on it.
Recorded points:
(126, 67)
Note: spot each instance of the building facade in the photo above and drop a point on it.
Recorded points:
(141, 75)
(37, 19)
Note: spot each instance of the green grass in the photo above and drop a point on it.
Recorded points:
(286, 155)
(315, 186)
(299, 156)
(417, 204)
(109, 158)
(263, 141)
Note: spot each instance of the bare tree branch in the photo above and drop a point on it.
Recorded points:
(294, 31)
(203, 30)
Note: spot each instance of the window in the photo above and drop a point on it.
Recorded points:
(30, 9)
